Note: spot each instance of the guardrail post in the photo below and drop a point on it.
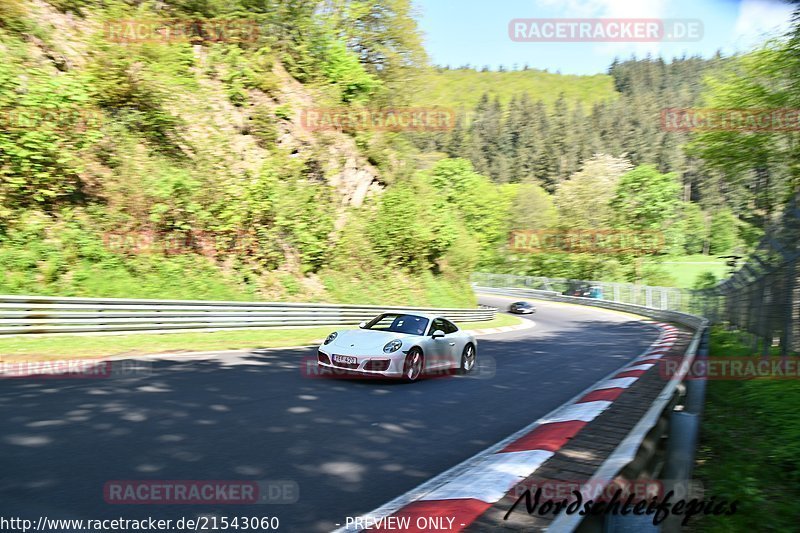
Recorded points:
(788, 313)
(681, 447)
(684, 428)
(696, 388)
(794, 311)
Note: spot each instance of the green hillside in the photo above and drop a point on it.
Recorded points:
(174, 161)
(158, 163)
(463, 88)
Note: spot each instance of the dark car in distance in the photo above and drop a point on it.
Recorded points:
(521, 308)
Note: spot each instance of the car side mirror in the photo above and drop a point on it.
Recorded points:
(438, 334)
(362, 324)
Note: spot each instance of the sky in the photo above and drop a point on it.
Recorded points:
(475, 32)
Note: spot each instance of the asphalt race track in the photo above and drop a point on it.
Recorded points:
(349, 445)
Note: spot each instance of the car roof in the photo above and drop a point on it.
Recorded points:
(429, 316)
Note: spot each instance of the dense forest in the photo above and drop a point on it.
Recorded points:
(527, 141)
(201, 136)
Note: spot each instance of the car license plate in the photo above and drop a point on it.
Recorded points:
(345, 359)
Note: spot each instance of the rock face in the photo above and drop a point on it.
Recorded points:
(345, 168)
(221, 127)
(355, 184)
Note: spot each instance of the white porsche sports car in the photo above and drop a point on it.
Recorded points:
(400, 345)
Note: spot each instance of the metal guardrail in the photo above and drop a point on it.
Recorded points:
(689, 320)
(649, 426)
(20, 315)
(665, 298)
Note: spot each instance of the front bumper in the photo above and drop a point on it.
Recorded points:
(386, 365)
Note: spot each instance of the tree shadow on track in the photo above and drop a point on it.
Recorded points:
(350, 445)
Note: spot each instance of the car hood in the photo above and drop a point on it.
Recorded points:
(366, 339)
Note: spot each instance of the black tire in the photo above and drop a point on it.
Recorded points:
(414, 365)
(468, 359)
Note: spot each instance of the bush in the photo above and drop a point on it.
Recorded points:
(342, 68)
(263, 127)
(41, 164)
(130, 90)
(478, 202)
(696, 229)
(284, 112)
(705, 280)
(237, 94)
(12, 15)
(265, 82)
(723, 231)
(413, 227)
(767, 488)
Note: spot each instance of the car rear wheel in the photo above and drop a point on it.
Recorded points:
(412, 369)
(468, 358)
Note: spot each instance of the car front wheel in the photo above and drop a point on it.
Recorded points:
(468, 358)
(412, 368)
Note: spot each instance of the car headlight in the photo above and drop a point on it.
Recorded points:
(330, 338)
(393, 346)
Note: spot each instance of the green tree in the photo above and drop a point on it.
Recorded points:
(532, 208)
(583, 200)
(705, 280)
(384, 37)
(695, 229)
(342, 68)
(645, 199)
(476, 200)
(760, 169)
(723, 231)
(413, 227)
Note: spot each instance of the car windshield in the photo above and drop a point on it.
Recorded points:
(399, 323)
(523, 304)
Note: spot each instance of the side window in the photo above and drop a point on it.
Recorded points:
(438, 323)
(449, 327)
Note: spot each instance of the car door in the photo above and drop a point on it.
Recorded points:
(455, 343)
(438, 355)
